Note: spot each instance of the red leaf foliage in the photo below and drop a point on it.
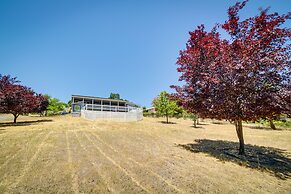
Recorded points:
(17, 99)
(244, 78)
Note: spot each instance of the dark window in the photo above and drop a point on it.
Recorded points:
(76, 108)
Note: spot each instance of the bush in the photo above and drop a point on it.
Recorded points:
(281, 122)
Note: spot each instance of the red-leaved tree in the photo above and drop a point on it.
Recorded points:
(42, 103)
(17, 99)
(242, 79)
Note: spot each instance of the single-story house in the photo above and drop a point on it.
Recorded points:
(91, 107)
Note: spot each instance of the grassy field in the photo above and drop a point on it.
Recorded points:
(72, 155)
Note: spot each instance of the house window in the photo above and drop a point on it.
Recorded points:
(76, 108)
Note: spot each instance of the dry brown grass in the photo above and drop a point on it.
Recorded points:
(72, 155)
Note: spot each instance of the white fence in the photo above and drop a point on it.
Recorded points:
(107, 112)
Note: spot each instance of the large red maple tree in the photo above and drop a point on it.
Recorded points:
(17, 99)
(243, 78)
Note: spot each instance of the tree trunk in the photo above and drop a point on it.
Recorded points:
(272, 124)
(194, 122)
(15, 117)
(197, 120)
(167, 118)
(239, 132)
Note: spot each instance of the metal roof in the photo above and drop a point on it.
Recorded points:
(98, 98)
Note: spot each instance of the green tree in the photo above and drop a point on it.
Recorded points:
(165, 106)
(114, 96)
(69, 104)
(55, 105)
(194, 117)
(179, 112)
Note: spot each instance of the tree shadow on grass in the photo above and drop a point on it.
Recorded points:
(265, 128)
(217, 123)
(24, 123)
(164, 122)
(202, 123)
(273, 160)
(197, 127)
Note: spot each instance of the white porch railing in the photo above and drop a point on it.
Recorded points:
(108, 108)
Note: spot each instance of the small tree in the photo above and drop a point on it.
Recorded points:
(55, 105)
(17, 99)
(165, 106)
(114, 96)
(194, 118)
(244, 78)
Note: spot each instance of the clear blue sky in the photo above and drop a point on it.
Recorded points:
(64, 47)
